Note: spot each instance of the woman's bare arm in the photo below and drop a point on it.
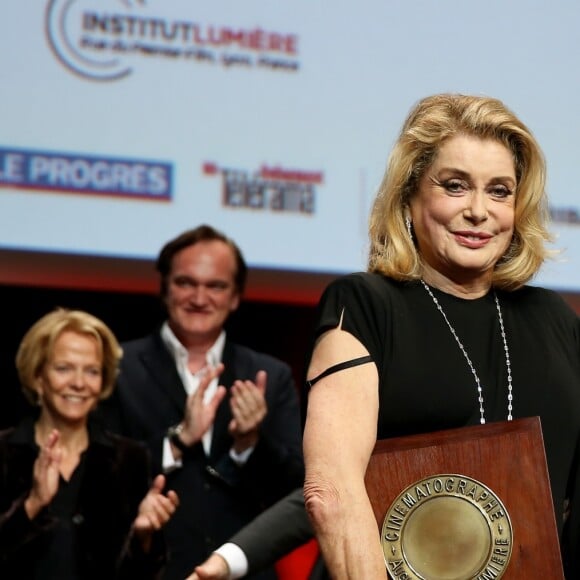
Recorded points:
(339, 438)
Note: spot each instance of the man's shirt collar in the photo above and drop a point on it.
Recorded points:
(213, 356)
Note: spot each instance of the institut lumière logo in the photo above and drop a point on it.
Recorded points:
(104, 40)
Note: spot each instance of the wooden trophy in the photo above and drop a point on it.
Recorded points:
(468, 503)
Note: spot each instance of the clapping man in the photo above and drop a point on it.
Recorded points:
(222, 420)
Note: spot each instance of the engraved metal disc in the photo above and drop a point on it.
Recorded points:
(446, 527)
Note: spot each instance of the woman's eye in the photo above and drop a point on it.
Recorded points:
(455, 186)
(62, 368)
(500, 191)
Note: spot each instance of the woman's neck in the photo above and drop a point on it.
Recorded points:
(468, 289)
(74, 437)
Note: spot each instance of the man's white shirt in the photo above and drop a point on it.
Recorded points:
(191, 384)
(235, 558)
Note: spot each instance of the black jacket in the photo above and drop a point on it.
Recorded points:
(114, 481)
(217, 497)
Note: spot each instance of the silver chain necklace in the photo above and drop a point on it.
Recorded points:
(505, 348)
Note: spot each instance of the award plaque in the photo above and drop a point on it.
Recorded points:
(468, 503)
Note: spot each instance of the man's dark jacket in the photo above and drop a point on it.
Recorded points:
(217, 497)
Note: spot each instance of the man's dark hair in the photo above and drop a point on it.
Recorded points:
(202, 233)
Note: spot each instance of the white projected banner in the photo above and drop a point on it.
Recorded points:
(124, 122)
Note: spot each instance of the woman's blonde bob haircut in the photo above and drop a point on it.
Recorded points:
(434, 120)
(38, 344)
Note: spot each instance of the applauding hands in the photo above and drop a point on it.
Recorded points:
(45, 476)
(199, 415)
(154, 511)
(248, 405)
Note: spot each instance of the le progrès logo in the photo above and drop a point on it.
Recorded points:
(51, 171)
(268, 189)
(104, 40)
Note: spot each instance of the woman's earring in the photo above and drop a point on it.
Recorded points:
(408, 224)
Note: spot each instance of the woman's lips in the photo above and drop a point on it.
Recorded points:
(472, 239)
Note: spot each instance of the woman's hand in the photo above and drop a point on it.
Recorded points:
(45, 475)
(154, 511)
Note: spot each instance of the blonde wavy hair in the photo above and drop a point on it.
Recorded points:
(38, 344)
(432, 121)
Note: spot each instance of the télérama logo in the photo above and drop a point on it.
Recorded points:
(105, 40)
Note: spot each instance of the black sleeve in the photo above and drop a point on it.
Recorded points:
(357, 302)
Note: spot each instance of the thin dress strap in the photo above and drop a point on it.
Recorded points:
(355, 362)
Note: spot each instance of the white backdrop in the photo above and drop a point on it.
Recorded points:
(124, 122)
